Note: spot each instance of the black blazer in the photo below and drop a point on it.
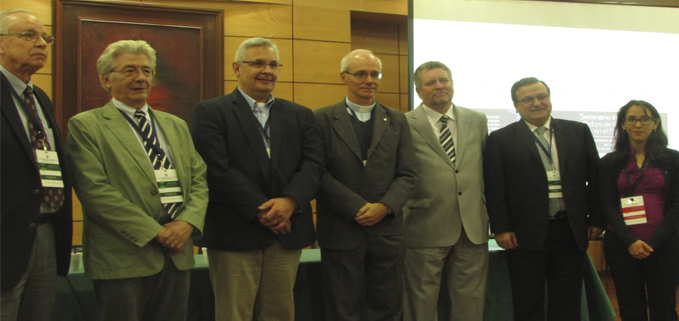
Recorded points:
(516, 182)
(21, 191)
(389, 175)
(241, 176)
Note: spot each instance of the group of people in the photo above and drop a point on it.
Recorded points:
(401, 199)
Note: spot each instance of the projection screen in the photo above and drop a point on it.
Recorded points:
(594, 57)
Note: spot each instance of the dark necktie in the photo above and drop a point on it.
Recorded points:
(554, 205)
(446, 139)
(53, 196)
(156, 154)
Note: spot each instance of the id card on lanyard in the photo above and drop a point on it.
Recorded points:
(633, 209)
(168, 186)
(50, 171)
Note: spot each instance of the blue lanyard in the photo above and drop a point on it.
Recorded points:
(548, 151)
(37, 124)
(156, 147)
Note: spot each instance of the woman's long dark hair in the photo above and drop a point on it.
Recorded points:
(656, 143)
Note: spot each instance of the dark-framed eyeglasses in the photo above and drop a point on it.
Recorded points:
(645, 120)
(361, 75)
(529, 99)
(261, 64)
(133, 72)
(31, 36)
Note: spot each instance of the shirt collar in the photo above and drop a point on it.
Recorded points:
(251, 101)
(18, 85)
(434, 116)
(129, 111)
(547, 125)
(359, 108)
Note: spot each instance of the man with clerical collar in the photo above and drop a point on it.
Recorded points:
(446, 221)
(541, 191)
(371, 171)
(265, 164)
(36, 182)
(143, 190)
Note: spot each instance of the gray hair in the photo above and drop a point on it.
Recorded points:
(344, 65)
(254, 42)
(107, 61)
(4, 18)
(429, 65)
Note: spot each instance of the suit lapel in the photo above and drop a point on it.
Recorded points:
(463, 127)
(423, 127)
(345, 129)
(526, 138)
(252, 132)
(277, 121)
(120, 129)
(9, 110)
(561, 142)
(380, 124)
(166, 125)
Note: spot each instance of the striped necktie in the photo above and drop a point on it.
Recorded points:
(446, 139)
(155, 153)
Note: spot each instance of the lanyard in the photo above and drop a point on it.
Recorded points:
(156, 147)
(37, 124)
(633, 187)
(265, 129)
(547, 150)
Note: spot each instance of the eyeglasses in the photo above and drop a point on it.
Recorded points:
(30, 36)
(645, 120)
(361, 75)
(530, 99)
(260, 64)
(133, 72)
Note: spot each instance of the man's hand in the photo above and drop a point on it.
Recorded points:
(276, 211)
(371, 214)
(507, 240)
(640, 250)
(281, 228)
(593, 232)
(174, 234)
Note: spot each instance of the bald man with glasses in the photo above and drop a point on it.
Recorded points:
(36, 211)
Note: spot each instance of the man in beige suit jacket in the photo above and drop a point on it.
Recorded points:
(446, 220)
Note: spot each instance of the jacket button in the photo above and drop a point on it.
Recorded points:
(36, 192)
(459, 193)
(32, 225)
(456, 171)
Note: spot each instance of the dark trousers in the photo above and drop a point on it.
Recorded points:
(559, 265)
(160, 297)
(368, 278)
(650, 283)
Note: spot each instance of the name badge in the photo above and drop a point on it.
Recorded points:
(633, 210)
(554, 183)
(50, 171)
(168, 186)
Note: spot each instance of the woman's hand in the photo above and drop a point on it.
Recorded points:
(640, 250)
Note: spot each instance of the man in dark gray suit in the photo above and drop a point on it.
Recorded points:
(446, 220)
(36, 227)
(371, 171)
(540, 177)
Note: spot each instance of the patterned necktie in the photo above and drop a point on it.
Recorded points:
(554, 205)
(446, 139)
(53, 196)
(156, 154)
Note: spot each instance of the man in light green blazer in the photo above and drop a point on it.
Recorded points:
(137, 234)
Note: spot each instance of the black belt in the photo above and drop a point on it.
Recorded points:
(43, 218)
(559, 215)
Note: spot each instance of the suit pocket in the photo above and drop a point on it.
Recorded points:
(418, 203)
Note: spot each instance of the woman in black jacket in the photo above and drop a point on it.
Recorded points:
(639, 190)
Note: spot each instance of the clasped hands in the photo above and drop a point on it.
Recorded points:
(275, 214)
(371, 213)
(173, 236)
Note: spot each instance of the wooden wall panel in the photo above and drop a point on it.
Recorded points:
(284, 48)
(77, 233)
(381, 6)
(318, 62)
(43, 81)
(390, 69)
(247, 19)
(403, 39)
(378, 37)
(321, 24)
(316, 96)
(389, 100)
(405, 102)
(42, 9)
(283, 89)
(404, 84)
